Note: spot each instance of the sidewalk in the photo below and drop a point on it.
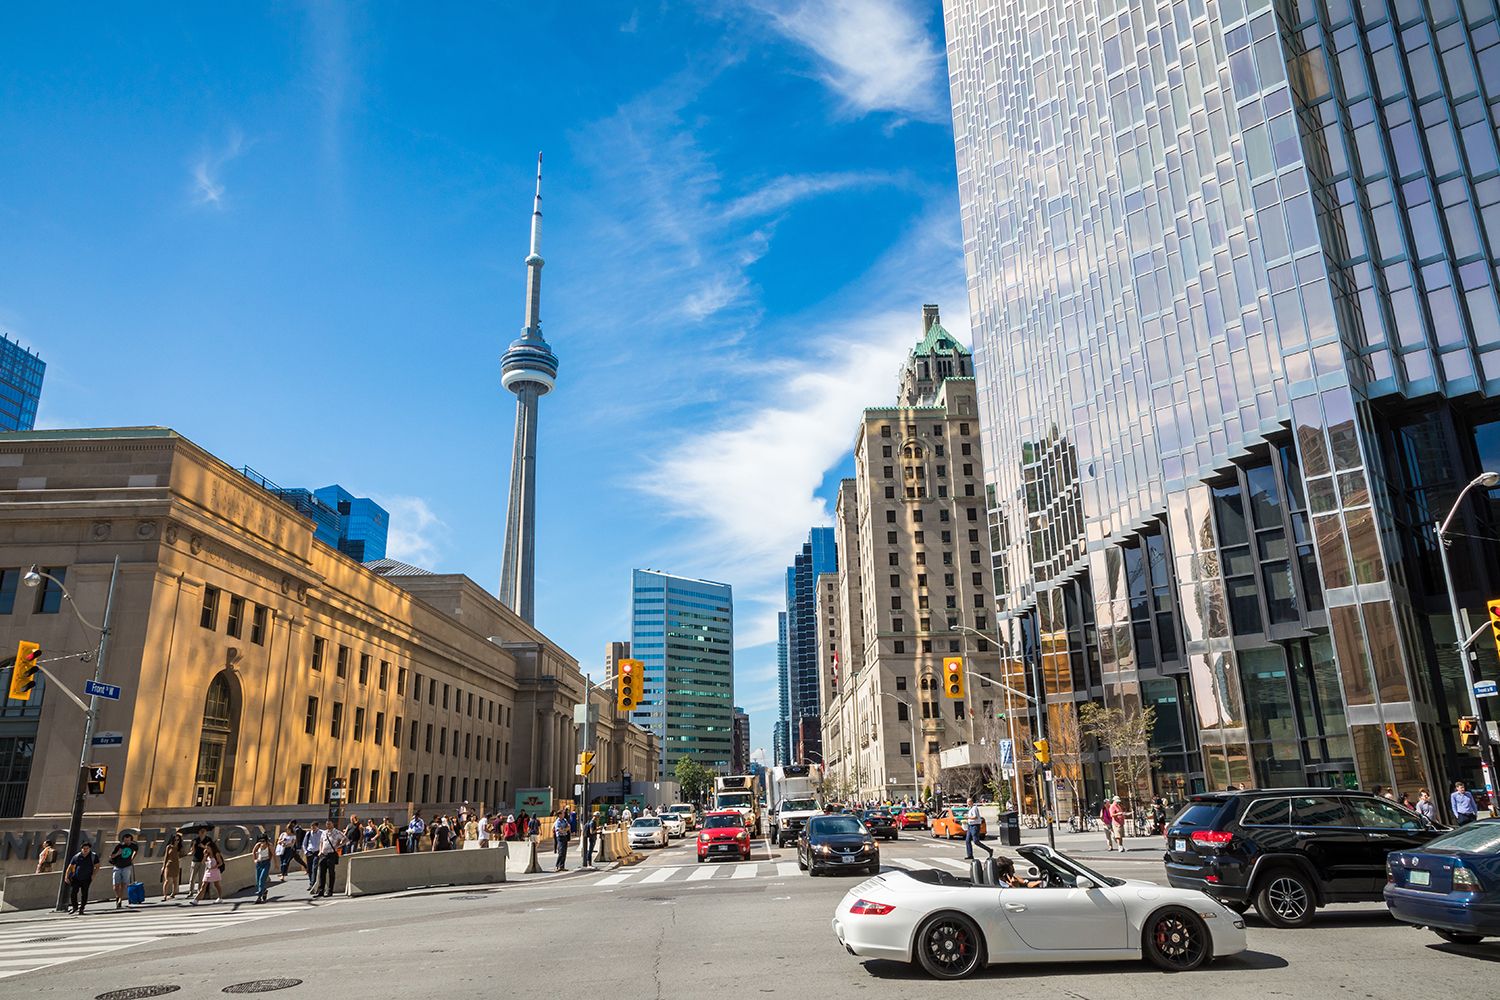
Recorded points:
(1091, 846)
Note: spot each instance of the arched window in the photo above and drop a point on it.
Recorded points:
(216, 744)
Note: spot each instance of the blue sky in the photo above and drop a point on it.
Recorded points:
(294, 232)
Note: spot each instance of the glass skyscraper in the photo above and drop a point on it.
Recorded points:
(782, 741)
(1232, 279)
(682, 631)
(819, 554)
(363, 523)
(21, 372)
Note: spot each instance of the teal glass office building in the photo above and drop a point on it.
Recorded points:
(682, 631)
(21, 373)
(1232, 273)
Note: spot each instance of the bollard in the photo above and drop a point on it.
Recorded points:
(529, 864)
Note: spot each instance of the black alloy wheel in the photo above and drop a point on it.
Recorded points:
(949, 946)
(1455, 937)
(1285, 899)
(1177, 939)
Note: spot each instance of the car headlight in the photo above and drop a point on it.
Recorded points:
(824, 849)
(702, 838)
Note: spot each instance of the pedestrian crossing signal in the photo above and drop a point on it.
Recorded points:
(953, 676)
(1468, 731)
(97, 773)
(23, 672)
(628, 685)
(1495, 622)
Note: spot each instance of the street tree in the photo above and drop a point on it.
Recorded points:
(1126, 734)
(694, 779)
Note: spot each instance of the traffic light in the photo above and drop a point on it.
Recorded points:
(1043, 753)
(23, 673)
(953, 676)
(96, 777)
(585, 762)
(1468, 731)
(1495, 622)
(628, 685)
(1394, 741)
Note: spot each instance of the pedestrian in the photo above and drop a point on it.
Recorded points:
(171, 867)
(414, 830)
(122, 860)
(1109, 826)
(1159, 816)
(195, 872)
(523, 824)
(471, 830)
(312, 844)
(1117, 820)
(1406, 801)
(1465, 809)
(261, 854)
(387, 835)
(328, 859)
(590, 834)
(560, 831)
(213, 874)
(287, 850)
(442, 835)
(79, 873)
(353, 834)
(482, 828)
(1425, 807)
(972, 820)
(47, 857)
(533, 828)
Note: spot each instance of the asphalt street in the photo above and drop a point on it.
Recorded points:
(665, 929)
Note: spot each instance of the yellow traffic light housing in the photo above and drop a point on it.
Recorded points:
(1468, 731)
(1393, 740)
(585, 762)
(953, 676)
(23, 673)
(96, 778)
(627, 685)
(1043, 752)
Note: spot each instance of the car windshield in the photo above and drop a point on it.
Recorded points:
(1060, 871)
(719, 822)
(959, 812)
(647, 821)
(728, 800)
(681, 809)
(799, 805)
(824, 826)
(1476, 838)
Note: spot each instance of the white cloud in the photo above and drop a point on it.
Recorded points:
(875, 54)
(632, 23)
(417, 535)
(784, 192)
(208, 170)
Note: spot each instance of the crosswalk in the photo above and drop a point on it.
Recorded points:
(749, 870)
(29, 945)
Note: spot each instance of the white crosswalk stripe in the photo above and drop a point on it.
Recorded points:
(29, 945)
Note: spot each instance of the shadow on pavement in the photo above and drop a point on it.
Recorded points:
(1484, 952)
(1323, 918)
(1248, 961)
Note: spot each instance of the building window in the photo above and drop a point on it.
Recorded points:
(401, 680)
(416, 687)
(396, 732)
(410, 781)
(236, 621)
(442, 741)
(432, 691)
(258, 625)
(304, 784)
(385, 674)
(926, 645)
(413, 728)
(311, 725)
(379, 728)
(445, 696)
(902, 713)
(890, 517)
(216, 744)
(318, 646)
(343, 661)
(905, 749)
(352, 790)
(901, 683)
(364, 668)
(359, 724)
(958, 710)
(898, 646)
(885, 430)
(374, 787)
(8, 580)
(429, 741)
(336, 724)
(890, 492)
(209, 618)
(426, 778)
(390, 787)
(470, 712)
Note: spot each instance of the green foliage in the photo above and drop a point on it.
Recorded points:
(694, 778)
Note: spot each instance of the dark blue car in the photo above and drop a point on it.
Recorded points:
(1451, 885)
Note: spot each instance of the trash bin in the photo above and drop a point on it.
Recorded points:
(1010, 829)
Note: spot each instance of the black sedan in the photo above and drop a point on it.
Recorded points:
(881, 823)
(837, 842)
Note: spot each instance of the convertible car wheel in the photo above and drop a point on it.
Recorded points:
(1455, 937)
(949, 946)
(1176, 939)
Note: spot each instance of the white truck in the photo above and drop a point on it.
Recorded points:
(793, 796)
(737, 792)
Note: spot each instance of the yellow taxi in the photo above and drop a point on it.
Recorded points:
(951, 823)
(914, 818)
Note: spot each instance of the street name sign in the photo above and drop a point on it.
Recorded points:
(110, 692)
(108, 739)
(1486, 689)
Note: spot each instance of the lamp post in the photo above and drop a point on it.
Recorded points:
(911, 719)
(1487, 480)
(33, 579)
(1010, 721)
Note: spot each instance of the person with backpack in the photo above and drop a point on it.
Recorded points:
(80, 873)
(122, 860)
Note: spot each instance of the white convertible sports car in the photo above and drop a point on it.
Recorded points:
(952, 926)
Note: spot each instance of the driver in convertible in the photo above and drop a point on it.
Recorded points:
(1006, 873)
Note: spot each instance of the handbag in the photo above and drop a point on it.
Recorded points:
(280, 850)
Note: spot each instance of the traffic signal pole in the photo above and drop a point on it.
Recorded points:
(1466, 656)
(80, 787)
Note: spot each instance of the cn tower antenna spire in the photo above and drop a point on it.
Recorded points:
(528, 368)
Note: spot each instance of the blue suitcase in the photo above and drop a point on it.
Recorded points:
(136, 892)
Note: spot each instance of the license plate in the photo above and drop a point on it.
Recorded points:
(1420, 878)
(848, 857)
(1179, 845)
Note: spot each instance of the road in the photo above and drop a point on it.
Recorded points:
(666, 928)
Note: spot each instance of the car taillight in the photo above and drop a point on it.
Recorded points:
(870, 908)
(1211, 838)
(1464, 880)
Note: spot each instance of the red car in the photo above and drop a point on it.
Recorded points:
(723, 835)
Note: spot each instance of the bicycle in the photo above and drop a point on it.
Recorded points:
(1083, 824)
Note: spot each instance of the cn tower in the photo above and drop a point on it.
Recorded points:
(528, 368)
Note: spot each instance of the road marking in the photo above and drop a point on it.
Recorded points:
(614, 879)
(660, 875)
(959, 865)
(786, 869)
(746, 871)
(701, 874)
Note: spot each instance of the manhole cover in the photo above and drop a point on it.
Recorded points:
(44, 940)
(135, 992)
(472, 896)
(263, 985)
(179, 934)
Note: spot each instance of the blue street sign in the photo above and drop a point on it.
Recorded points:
(109, 691)
(1007, 754)
(108, 739)
(1486, 689)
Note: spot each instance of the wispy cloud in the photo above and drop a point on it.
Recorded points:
(417, 535)
(784, 192)
(208, 170)
(632, 23)
(875, 54)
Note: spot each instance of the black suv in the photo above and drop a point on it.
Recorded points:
(1289, 851)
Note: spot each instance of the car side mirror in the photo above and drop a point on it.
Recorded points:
(1084, 883)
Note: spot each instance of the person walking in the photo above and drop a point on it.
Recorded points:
(1117, 822)
(1109, 826)
(195, 872)
(261, 854)
(1425, 807)
(47, 857)
(1465, 809)
(533, 828)
(972, 820)
(414, 830)
(560, 832)
(590, 835)
(482, 828)
(171, 867)
(286, 850)
(80, 873)
(311, 846)
(328, 859)
(122, 861)
(213, 874)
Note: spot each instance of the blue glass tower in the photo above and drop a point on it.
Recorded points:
(362, 523)
(804, 719)
(21, 374)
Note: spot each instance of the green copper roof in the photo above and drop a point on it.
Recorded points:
(939, 341)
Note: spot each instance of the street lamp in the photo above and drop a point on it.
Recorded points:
(1010, 721)
(1487, 480)
(911, 718)
(33, 579)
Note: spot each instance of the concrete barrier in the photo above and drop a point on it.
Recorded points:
(370, 872)
(525, 856)
(39, 892)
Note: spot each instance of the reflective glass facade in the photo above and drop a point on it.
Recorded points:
(682, 631)
(1231, 270)
(21, 373)
(819, 555)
